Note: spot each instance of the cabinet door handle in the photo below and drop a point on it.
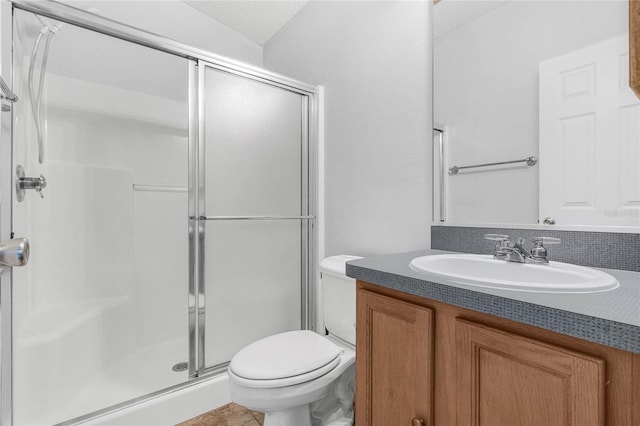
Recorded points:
(417, 422)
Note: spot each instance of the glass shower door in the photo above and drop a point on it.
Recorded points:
(100, 312)
(254, 210)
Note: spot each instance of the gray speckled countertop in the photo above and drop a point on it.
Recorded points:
(610, 318)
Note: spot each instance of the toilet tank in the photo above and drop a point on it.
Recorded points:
(338, 298)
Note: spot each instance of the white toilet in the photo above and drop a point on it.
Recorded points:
(301, 378)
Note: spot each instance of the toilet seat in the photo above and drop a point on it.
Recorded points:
(285, 359)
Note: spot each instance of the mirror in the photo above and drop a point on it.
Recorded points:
(549, 80)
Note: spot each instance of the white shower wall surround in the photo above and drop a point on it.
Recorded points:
(102, 311)
(93, 311)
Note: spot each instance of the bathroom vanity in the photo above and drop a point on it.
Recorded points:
(435, 354)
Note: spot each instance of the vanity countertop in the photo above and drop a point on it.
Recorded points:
(611, 318)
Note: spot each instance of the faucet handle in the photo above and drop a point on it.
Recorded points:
(545, 240)
(501, 240)
(496, 237)
(539, 252)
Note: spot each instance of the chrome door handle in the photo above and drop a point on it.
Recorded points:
(14, 252)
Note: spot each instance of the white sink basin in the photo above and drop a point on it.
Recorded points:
(485, 271)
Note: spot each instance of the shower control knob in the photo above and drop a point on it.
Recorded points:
(40, 185)
(23, 183)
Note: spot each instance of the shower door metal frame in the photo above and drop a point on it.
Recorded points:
(6, 190)
(89, 21)
(307, 206)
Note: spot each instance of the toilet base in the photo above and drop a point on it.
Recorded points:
(299, 416)
(334, 409)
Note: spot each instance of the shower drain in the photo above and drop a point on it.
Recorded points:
(181, 366)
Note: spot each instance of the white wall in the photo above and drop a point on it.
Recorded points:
(374, 60)
(486, 91)
(178, 21)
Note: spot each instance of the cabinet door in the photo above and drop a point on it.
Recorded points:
(510, 380)
(394, 362)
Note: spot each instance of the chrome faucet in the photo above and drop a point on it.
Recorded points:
(515, 252)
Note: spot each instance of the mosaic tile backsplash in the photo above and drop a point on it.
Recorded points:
(597, 249)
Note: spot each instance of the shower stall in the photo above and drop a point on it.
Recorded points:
(168, 196)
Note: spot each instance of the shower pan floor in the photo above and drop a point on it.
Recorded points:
(141, 373)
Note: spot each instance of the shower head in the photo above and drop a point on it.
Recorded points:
(48, 30)
(53, 26)
(49, 25)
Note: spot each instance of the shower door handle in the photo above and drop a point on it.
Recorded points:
(14, 252)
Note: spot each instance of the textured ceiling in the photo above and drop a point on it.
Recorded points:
(451, 14)
(257, 20)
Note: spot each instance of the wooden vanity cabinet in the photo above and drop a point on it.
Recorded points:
(395, 375)
(422, 360)
(507, 379)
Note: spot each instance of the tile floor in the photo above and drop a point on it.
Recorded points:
(227, 415)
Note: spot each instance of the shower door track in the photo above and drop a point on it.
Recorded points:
(197, 58)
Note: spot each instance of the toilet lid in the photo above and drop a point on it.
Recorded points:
(290, 354)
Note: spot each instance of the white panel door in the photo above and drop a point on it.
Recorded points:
(590, 137)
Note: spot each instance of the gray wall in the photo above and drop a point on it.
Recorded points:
(374, 59)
